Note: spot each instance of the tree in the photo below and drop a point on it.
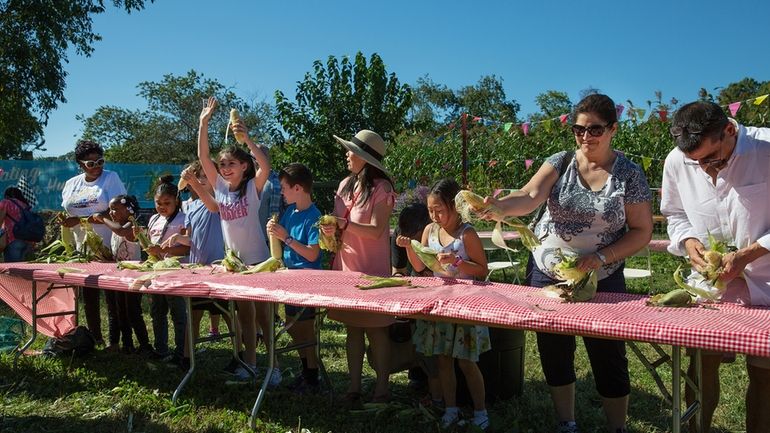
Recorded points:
(745, 91)
(436, 105)
(167, 130)
(339, 97)
(552, 105)
(35, 37)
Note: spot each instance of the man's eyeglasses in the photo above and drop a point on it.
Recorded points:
(593, 130)
(715, 163)
(91, 164)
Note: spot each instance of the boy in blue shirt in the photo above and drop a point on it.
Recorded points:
(299, 234)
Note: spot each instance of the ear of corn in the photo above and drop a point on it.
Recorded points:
(585, 289)
(328, 243)
(143, 239)
(469, 205)
(711, 292)
(674, 298)
(235, 117)
(276, 250)
(269, 265)
(93, 244)
(67, 239)
(427, 256)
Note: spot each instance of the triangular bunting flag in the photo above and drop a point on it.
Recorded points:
(641, 112)
(734, 107)
(525, 128)
(507, 126)
(563, 119)
(528, 163)
(547, 125)
(663, 114)
(439, 139)
(619, 109)
(477, 119)
(646, 162)
(760, 99)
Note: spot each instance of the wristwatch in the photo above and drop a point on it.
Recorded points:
(288, 241)
(601, 257)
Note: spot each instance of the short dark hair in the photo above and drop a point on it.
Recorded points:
(166, 186)
(698, 120)
(413, 219)
(15, 192)
(598, 104)
(297, 174)
(86, 147)
(446, 189)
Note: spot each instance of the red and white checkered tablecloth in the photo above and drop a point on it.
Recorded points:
(723, 327)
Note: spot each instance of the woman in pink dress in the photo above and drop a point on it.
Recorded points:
(363, 205)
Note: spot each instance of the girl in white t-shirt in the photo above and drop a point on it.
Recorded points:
(168, 221)
(238, 188)
(128, 305)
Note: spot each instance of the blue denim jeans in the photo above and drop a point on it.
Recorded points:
(159, 308)
(17, 251)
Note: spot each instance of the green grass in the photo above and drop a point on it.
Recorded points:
(109, 392)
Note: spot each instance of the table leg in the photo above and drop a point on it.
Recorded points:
(191, 344)
(676, 389)
(270, 335)
(32, 339)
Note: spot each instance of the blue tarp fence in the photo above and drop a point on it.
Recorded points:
(47, 179)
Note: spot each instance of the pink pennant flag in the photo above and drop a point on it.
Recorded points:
(734, 108)
(619, 109)
(528, 163)
(563, 118)
(663, 114)
(476, 119)
(525, 128)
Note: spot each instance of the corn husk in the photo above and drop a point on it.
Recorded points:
(93, 245)
(231, 262)
(328, 243)
(576, 285)
(674, 298)
(269, 265)
(427, 256)
(470, 205)
(380, 282)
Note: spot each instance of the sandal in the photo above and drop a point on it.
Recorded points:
(353, 401)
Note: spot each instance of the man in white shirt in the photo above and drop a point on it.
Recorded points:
(716, 181)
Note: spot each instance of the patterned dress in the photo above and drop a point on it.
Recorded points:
(450, 339)
(582, 221)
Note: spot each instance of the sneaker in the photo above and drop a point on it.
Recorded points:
(233, 365)
(451, 416)
(301, 386)
(243, 375)
(481, 421)
(275, 378)
(567, 427)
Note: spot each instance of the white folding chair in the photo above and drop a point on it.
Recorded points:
(634, 273)
(500, 265)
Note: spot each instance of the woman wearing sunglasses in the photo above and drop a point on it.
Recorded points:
(85, 195)
(597, 205)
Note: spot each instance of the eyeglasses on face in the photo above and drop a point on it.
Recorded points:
(716, 163)
(593, 130)
(91, 164)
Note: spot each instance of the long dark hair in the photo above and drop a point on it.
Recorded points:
(237, 152)
(14, 192)
(366, 178)
(446, 189)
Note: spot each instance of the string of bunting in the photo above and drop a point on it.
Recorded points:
(632, 112)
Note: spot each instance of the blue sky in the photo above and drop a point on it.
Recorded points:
(627, 49)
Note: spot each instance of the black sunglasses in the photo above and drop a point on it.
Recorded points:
(91, 164)
(676, 131)
(593, 130)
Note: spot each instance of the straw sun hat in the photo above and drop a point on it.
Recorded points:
(368, 145)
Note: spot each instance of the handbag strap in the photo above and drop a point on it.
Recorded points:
(562, 168)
